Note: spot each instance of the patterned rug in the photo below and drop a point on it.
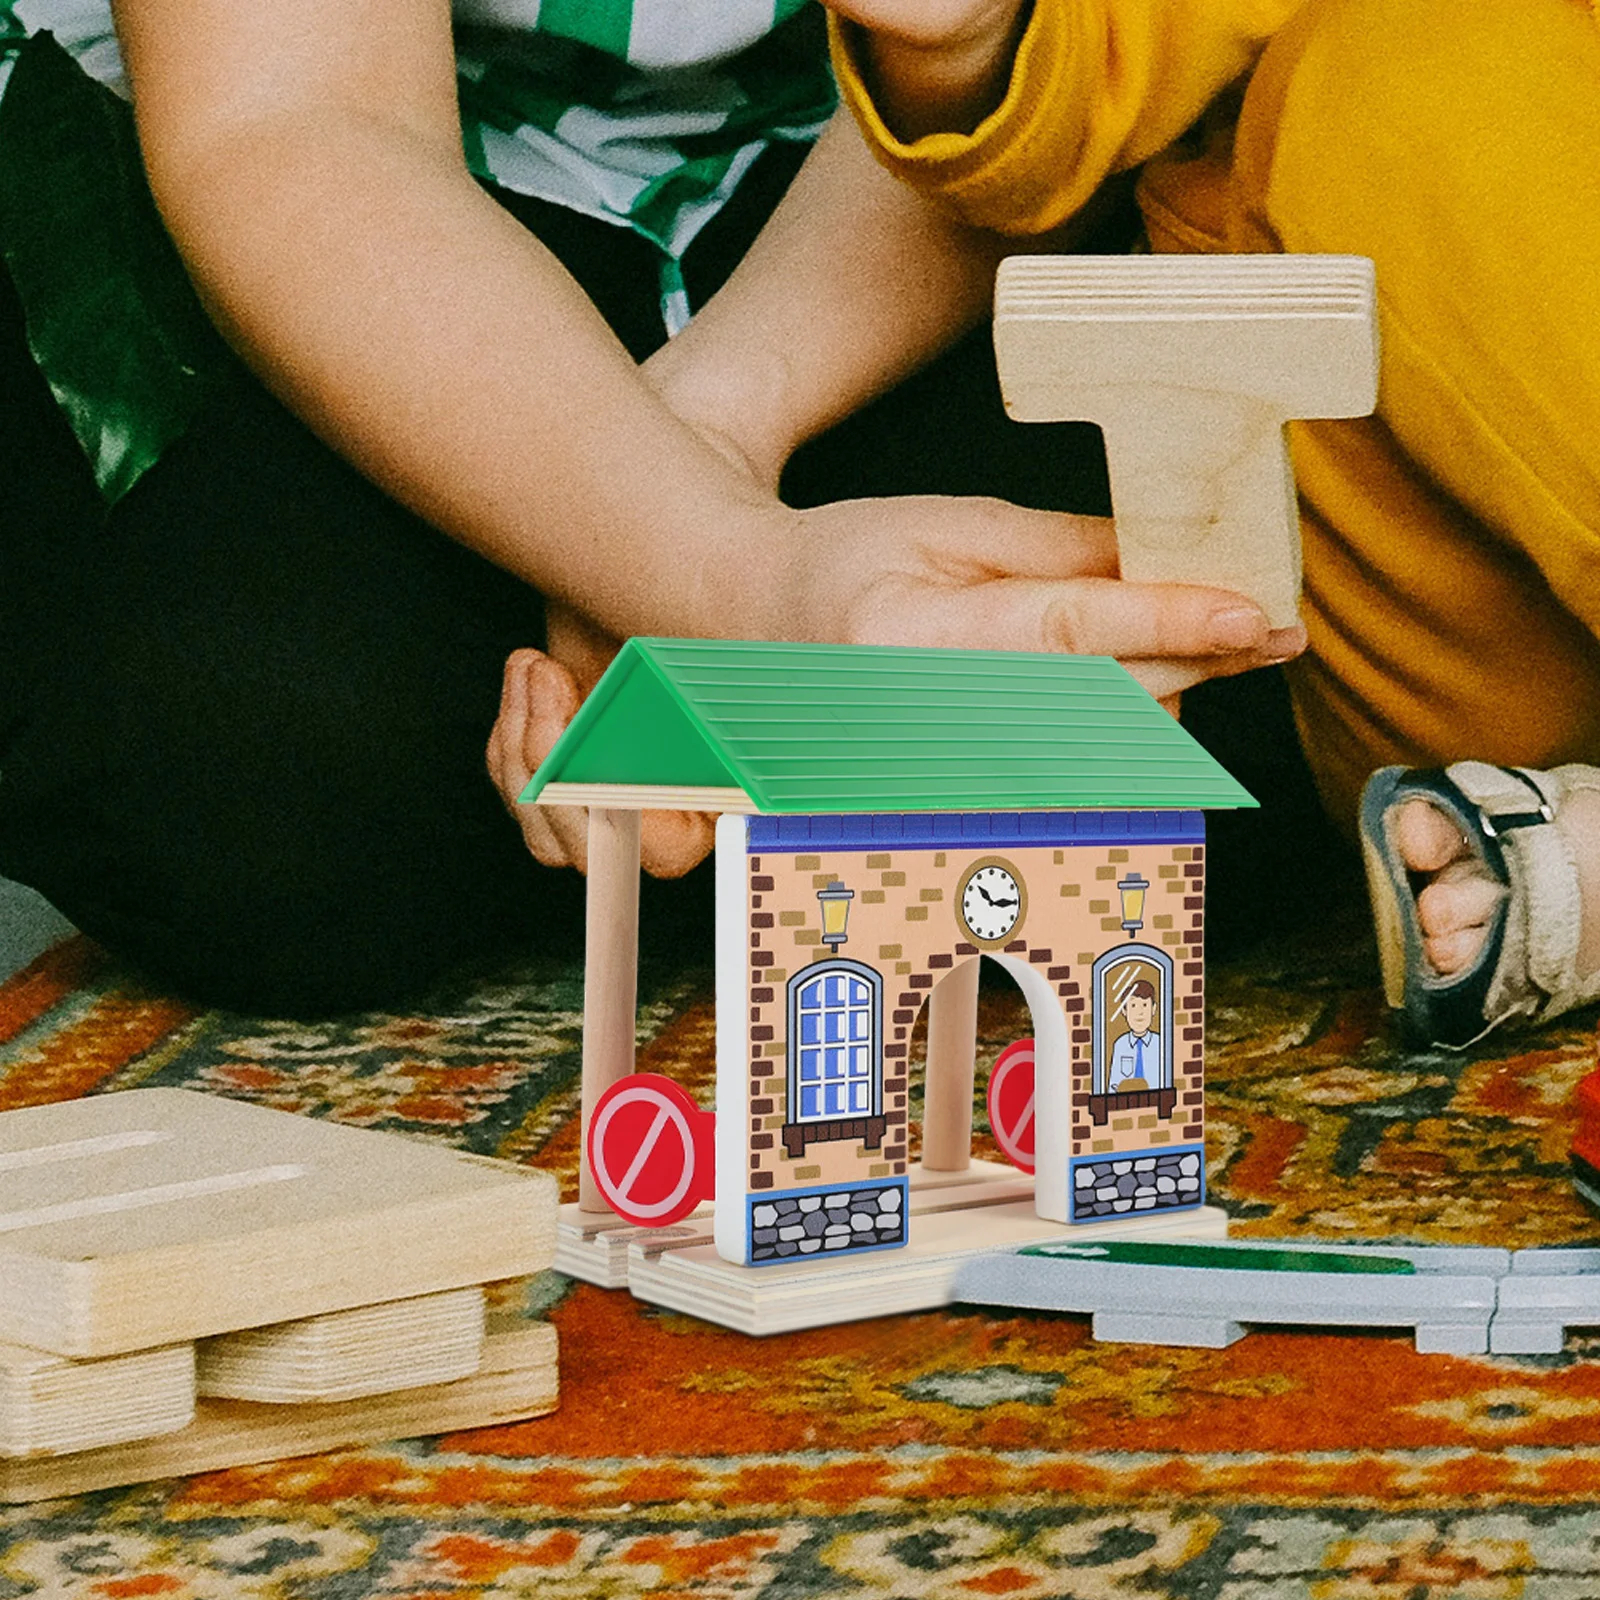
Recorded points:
(954, 1455)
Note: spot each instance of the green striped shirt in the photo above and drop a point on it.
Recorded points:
(645, 113)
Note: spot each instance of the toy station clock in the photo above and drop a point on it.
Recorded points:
(991, 901)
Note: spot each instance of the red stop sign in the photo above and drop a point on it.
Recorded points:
(652, 1150)
(1011, 1103)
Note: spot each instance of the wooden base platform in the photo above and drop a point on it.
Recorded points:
(593, 1246)
(961, 1215)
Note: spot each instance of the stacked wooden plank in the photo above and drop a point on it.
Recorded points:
(189, 1283)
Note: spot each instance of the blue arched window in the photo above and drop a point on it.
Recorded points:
(835, 1042)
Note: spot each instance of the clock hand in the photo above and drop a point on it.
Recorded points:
(999, 904)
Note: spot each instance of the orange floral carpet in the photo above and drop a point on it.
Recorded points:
(954, 1455)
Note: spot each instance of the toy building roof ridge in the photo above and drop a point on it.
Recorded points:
(794, 728)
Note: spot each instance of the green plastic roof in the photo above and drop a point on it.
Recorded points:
(847, 728)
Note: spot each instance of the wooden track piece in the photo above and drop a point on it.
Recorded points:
(50, 1405)
(402, 1344)
(1191, 365)
(158, 1216)
(1448, 1297)
(517, 1381)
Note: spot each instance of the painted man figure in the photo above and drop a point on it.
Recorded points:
(1136, 1056)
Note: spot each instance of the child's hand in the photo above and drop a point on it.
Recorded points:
(936, 64)
(982, 574)
(538, 698)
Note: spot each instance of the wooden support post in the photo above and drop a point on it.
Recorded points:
(947, 1088)
(611, 971)
(1192, 365)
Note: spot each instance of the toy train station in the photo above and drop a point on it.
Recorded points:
(888, 818)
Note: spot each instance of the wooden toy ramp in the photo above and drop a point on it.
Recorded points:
(332, 1280)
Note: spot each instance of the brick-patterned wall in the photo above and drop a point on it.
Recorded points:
(903, 923)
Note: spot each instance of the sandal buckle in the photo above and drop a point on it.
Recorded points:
(1493, 827)
(1507, 821)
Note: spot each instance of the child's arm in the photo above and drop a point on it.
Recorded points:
(855, 282)
(307, 158)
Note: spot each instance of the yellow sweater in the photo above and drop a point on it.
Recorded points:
(1099, 87)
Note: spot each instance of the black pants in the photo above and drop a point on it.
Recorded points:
(243, 718)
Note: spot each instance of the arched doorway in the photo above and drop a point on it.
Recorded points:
(950, 1075)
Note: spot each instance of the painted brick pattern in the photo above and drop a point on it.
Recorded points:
(903, 924)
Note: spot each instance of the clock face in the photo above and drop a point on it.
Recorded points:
(992, 902)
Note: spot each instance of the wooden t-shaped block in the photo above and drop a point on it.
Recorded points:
(1191, 365)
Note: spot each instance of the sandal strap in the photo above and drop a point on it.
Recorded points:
(1537, 973)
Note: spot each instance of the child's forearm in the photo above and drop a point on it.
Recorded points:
(440, 349)
(308, 163)
(855, 282)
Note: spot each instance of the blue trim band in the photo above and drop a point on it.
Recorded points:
(961, 830)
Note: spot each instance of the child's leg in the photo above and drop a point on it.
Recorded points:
(242, 720)
(1453, 540)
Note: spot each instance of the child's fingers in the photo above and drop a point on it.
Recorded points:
(1169, 636)
(557, 836)
(537, 700)
(504, 752)
(1081, 616)
(549, 698)
(1147, 621)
